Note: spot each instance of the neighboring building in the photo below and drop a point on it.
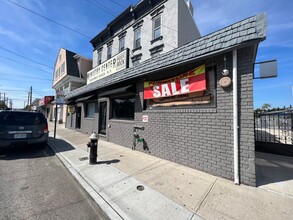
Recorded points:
(69, 74)
(147, 29)
(182, 105)
(45, 105)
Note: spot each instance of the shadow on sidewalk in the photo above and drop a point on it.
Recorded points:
(108, 162)
(60, 144)
(272, 168)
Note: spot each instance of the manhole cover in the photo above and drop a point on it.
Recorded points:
(83, 158)
(140, 188)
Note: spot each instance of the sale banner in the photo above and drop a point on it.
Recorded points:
(191, 81)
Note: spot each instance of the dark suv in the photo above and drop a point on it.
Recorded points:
(21, 128)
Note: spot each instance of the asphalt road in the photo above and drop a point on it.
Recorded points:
(34, 184)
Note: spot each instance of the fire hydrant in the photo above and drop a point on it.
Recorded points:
(93, 145)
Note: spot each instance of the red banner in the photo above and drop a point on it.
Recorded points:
(192, 81)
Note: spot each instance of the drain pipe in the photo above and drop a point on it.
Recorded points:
(235, 119)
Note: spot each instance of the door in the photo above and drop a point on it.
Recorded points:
(103, 117)
(78, 118)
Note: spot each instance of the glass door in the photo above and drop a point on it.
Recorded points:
(102, 117)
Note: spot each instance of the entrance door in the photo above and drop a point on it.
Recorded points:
(102, 117)
(78, 118)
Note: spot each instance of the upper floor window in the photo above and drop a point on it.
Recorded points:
(109, 51)
(137, 38)
(99, 57)
(121, 44)
(62, 68)
(157, 27)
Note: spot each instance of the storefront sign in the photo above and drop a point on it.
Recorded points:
(113, 65)
(192, 81)
(145, 118)
(182, 100)
(71, 109)
(60, 97)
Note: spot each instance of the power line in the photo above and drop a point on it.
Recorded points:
(103, 8)
(118, 4)
(144, 32)
(38, 81)
(49, 19)
(24, 56)
(13, 74)
(25, 64)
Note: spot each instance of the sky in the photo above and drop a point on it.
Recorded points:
(29, 43)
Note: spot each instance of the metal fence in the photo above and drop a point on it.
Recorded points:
(274, 126)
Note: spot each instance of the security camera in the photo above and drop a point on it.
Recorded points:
(225, 72)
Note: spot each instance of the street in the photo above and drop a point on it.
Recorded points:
(34, 184)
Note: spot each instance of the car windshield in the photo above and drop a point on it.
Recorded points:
(21, 118)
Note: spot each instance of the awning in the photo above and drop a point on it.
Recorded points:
(84, 98)
(124, 89)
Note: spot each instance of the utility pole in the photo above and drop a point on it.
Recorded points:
(31, 95)
(28, 100)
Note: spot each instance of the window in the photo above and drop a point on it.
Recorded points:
(90, 110)
(109, 51)
(62, 68)
(99, 57)
(137, 37)
(121, 44)
(123, 108)
(156, 27)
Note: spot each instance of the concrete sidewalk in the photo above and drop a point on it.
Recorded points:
(171, 191)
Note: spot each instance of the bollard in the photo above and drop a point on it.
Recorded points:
(93, 148)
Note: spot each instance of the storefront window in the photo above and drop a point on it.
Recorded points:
(123, 108)
(90, 110)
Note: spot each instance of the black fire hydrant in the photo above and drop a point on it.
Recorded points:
(93, 145)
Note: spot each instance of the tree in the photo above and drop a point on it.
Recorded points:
(2, 105)
(266, 106)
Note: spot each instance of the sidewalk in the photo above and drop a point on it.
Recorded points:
(171, 191)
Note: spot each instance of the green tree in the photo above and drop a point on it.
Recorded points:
(266, 106)
(2, 105)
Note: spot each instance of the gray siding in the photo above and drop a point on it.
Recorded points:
(187, 28)
(203, 138)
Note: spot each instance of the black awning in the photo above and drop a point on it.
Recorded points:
(128, 89)
(84, 98)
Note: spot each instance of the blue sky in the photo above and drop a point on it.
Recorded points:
(30, 36)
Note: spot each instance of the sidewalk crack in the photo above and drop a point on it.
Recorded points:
(206, 195)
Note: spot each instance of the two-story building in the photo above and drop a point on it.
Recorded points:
(192, 104)
(69, 74)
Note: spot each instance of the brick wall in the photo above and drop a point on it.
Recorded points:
(202, 138)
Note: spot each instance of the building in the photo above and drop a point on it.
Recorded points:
(45, 105)
(69, 74)
(192, 105)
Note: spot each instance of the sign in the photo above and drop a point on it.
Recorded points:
(60, 97)
(107, 68)
(166, 102)
(189, 82)
(71, 109)
(145, 118)
(46, 100)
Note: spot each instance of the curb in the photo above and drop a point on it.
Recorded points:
(101, 202)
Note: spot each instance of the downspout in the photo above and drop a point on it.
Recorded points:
(235, 119)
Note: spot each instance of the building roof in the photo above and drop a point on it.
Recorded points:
(248, 31)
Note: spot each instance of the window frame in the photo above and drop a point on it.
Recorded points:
(137, 38)
(121, 44)
(109, 51)
(124, 97)
(157, 28)
(100, 56)
(87, 114)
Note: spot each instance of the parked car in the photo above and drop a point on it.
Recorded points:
(22, 128)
